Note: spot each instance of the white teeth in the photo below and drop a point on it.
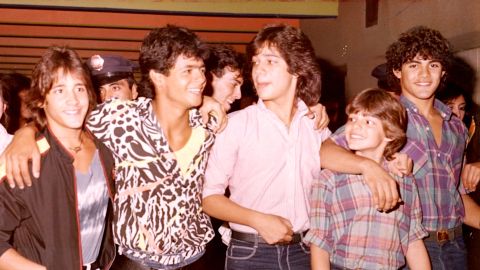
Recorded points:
(71, 112)
(194, 90)
(353, 136)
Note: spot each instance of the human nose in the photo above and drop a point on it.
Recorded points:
(237, 92)
(72, 97)
(200, 76)
(424, 71)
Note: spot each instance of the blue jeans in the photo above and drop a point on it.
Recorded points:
(447, 256)
(243, 255)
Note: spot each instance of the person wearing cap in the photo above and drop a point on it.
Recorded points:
(380, 72)
(112, 77)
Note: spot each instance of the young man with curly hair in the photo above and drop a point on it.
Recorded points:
(418, 61)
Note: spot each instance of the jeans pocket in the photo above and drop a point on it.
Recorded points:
(239, 250)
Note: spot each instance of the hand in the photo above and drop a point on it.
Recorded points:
(319, 114)
(211, 107)
(16, 156)
(471, 176)
(274, 229)
(401, 165)
(381, 184)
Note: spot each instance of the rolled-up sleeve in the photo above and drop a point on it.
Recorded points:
(320, 233)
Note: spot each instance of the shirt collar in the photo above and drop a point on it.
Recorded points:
(302, 108)
(444, 110)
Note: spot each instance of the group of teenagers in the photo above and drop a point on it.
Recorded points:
(138, 178)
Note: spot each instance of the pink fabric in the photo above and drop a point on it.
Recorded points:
(267, 167)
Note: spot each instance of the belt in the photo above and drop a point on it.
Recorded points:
(442, 236)
(253, 237)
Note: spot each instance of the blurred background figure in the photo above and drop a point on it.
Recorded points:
(5, 138)
(380, 72)
(17, 85)
(112, 77)
(460, 102)
(224, 75)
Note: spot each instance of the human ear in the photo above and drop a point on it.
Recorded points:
(387, 139)
(157, 78)
(397, 73)
(134, 91)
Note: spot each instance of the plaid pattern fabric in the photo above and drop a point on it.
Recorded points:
(437, 168)
(345, 222)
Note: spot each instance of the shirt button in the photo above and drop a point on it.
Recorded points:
(438, 155)
(427, 128)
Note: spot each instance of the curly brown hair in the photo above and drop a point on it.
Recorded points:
(55, 62)
(421, 40)
(160, 49)
(380, 104)
(297, 51)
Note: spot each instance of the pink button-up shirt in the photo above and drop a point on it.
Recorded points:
(267, 166)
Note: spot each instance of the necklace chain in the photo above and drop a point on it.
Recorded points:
(77, 149)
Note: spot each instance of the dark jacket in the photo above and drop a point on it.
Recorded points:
(41, 222)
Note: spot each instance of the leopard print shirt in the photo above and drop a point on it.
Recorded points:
(157, 210)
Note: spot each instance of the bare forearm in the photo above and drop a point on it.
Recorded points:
(331, 154)
(320, 258)
(272, 228)
(12, 260)
(472, 212)
(223, 208)
(417, 256)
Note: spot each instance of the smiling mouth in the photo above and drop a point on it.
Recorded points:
(195, 91)
(72, 112)
(356, 137)
(423, 84)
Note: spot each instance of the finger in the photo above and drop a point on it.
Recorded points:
(287, 238)
(376, 199)
(395, 196)
(325, 118)
(310, 114)
(25, 173)
(205, 116)
(16, 172)
(36, 157)
(388, 198)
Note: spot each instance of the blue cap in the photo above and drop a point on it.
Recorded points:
(110, 66)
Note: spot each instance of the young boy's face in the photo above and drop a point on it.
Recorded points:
(66, 104)
(185, 82)
(226, 89)
(365, 135)
(270, 75)
(420, 78)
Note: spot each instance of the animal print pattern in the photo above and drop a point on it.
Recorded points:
(157, 210)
